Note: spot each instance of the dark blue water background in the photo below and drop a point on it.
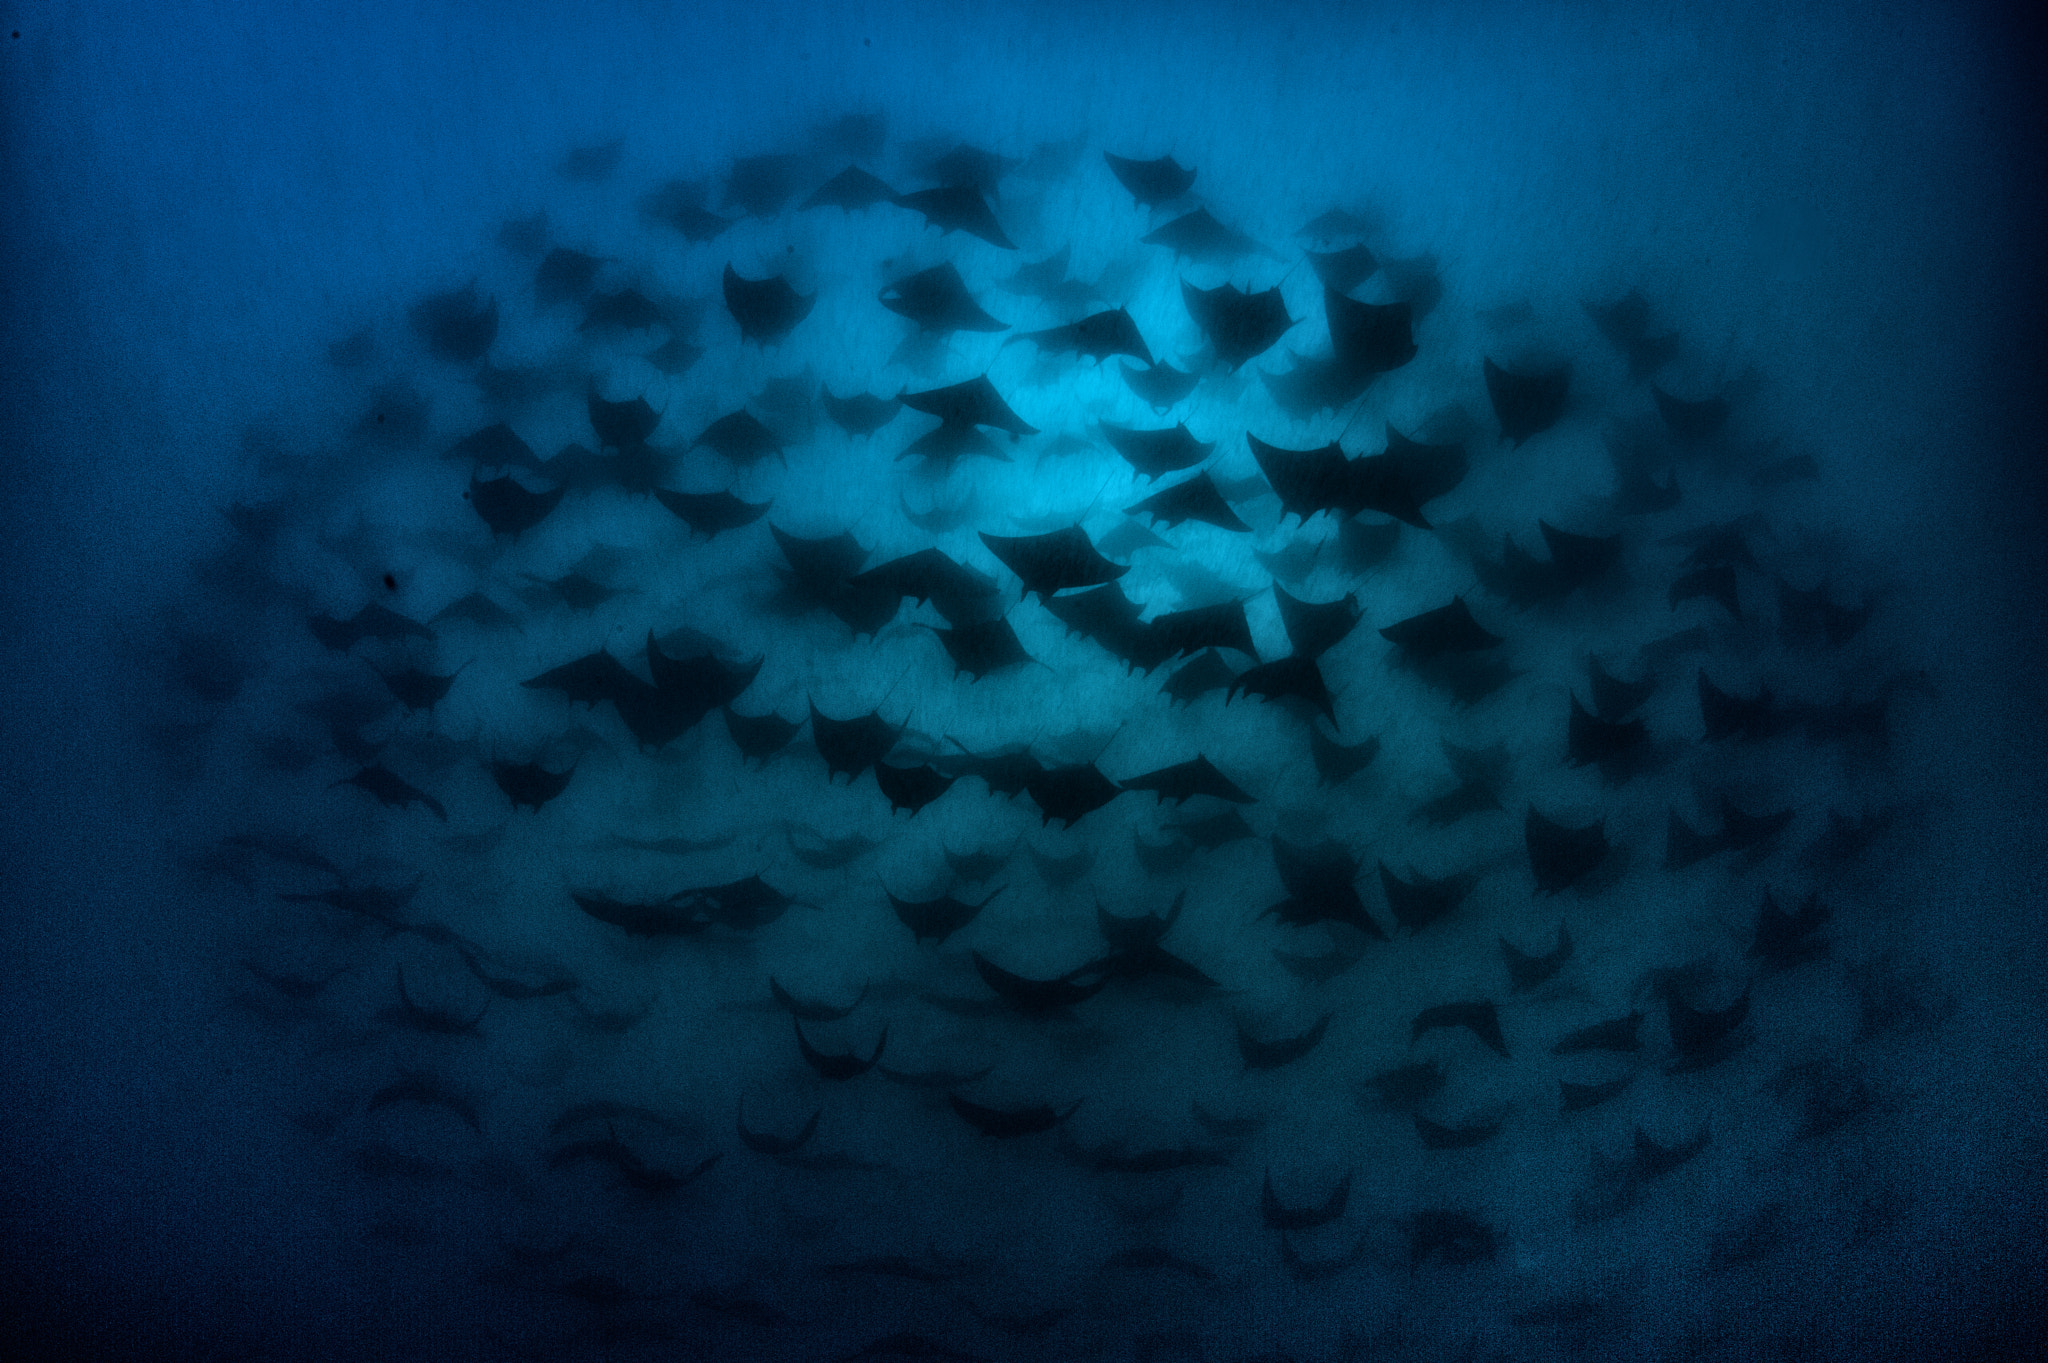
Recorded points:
(1831, 206)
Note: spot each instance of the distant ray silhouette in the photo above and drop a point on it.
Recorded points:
(1334, 224)
(495, 446)
(1306, 481)
(938, 918)
(1184, 781)
(1369, 338)
(1151, 183)
(860, 415)
(1098, 336)
(1336, 763)
(679, 204)
(1153, 453)
(960, 594)
(1527, 972)
(971, 402)
(456, 326)
(1480, 1018)
(741, 437)
(626, 310)
(1199, 237)
(509, 509)
(1527, 404)
(1626, 325)
(590, 164)
(761, 185)
(1314, 628)
(759, 737)
(1344, 270)
(970, 165)
(529, 783)
(621, 425)
(1194, 500)
(1070, 793)
(1320, 887)
(957, 208)
(1128, 538)
(1561, 856)
(1053, 561)
(1691, 420)
(852, 189)
(1239, 325)
(822, 561)
(1447, 629)
(1293, 677)
(1189, 631)
(565, 276)
(938, 301)
(708, 513)
(980, 647)
(765, 309)
(1161, 385)
(851, 746)
(911, 788)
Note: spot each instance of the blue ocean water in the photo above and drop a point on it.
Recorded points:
(318, 1045)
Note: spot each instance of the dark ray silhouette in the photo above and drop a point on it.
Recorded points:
(1160, 384)
(1239, 325)
(1194, 500)
(765, 309)
(1098, 336)
(1526, 404)
(709, 513)
(1053, 561)
(937, 300)
(1197, 236)
(957, 208)
(852, 189)
(529, 783)
(1151, 183)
